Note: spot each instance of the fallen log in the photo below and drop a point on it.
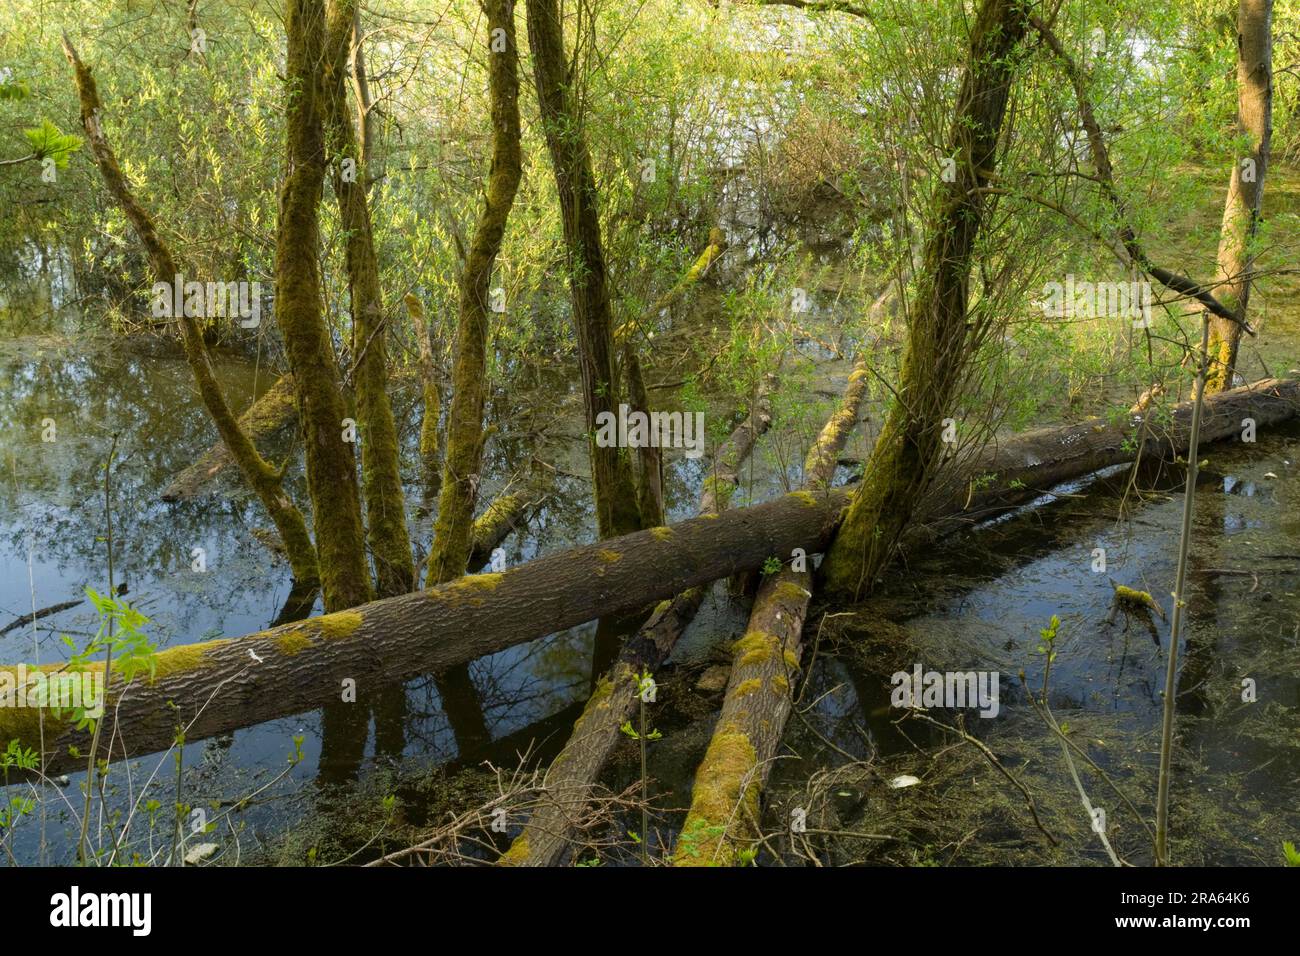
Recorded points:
(507, 512)
(570, 780)
(223, 685)
(724, 816)
(266, 421)
(219, 686)
(1026, 466)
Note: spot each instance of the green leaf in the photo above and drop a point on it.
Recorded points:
(47, 142)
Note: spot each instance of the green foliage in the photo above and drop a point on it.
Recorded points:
(13, 90)
(1047, 639)
(17, 757)
(631, 731)
(48, 143)
(121, 636)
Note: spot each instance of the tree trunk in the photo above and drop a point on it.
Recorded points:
(617, 511)
(267, 419)
(453, 531)
(1246, 190)
(219, 686)
(649, 457)
(909, 448)
(431, 393)
(724, 814)
(331, 465)
(381, 476)
(367, 124)
(571, 778)
(260, 475)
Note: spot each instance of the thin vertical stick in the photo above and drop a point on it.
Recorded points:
(108, 659)
(645, 808)
(1176, 622)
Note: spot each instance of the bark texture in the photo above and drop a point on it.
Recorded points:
(909, 447)
(222, 685)
(453, 531)
(1241, 212)
(381, 474)
(331, 464)
(617, 511)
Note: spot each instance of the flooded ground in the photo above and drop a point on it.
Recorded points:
(974, 602)
(372, 779)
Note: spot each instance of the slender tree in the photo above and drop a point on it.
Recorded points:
(262, 477)
(909, 448)
(1246, 189)
(453, 531)
(617, 511)
(381, 477)
(331, 464)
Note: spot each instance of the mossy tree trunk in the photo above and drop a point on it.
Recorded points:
(372, 160)
(617, 510)
(262, 477)
(381, 477)
(649, 458)
(1246, 190)
(453, 530)
(649, 472)
(331, 464)
(909, 446)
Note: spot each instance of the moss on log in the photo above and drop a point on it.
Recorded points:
(723, 818)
